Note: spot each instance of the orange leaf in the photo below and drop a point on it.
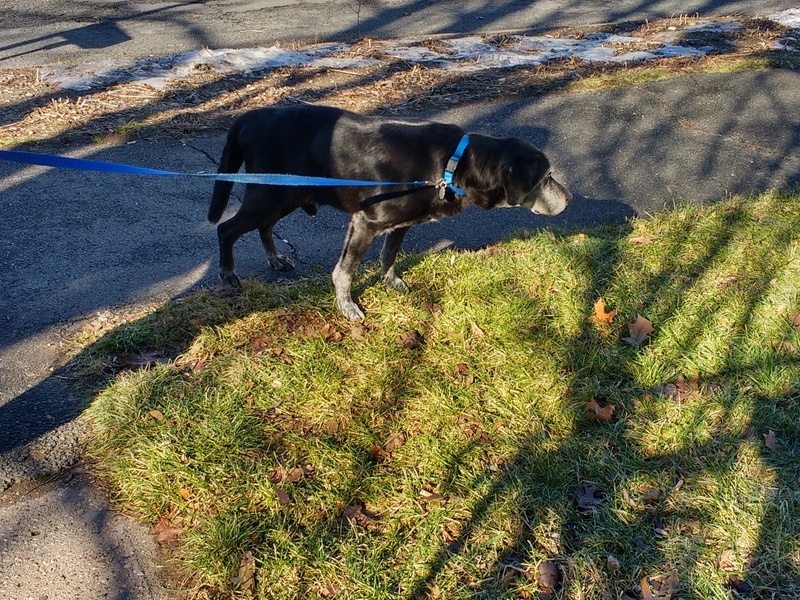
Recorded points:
(600, 315)
(602, 414)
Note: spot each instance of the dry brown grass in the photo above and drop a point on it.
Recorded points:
(35, 111)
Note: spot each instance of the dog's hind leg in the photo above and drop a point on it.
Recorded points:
(276, 260)
(359, 237)
(258, 211)
(391, 246)
(228, 232)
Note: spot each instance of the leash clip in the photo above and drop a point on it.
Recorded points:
(442, 186)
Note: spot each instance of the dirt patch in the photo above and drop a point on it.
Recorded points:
(35, 111)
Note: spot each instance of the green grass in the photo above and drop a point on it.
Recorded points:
(488, 413)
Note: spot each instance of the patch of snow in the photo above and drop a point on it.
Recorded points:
(469, 53)
(158, 72)
(788, 18)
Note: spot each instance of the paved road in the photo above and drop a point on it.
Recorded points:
(36, 32)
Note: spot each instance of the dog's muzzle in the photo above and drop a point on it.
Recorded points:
(548, 198)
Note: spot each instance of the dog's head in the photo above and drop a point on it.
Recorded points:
(528, 181)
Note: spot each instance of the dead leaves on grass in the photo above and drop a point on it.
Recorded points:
(166, 532)
(638, 331)
(246, 579)
(548, 577)
(295, 475)
(588, 502)
(601, 316)
(383, 452)
(771, 442)
(410, 340)
(604, 414)
(661, 587)
(358, 516)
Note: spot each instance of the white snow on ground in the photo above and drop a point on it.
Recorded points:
(470, 53)
(787, 18)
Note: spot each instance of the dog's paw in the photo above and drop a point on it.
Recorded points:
(397, 284)
(280, 263)
(350, 310)
(230, 279)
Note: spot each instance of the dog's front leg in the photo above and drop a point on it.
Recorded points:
(359, 236)
(391, 246)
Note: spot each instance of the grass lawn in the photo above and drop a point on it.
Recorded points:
(444, 448)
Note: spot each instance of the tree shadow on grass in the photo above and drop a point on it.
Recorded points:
(682, 475)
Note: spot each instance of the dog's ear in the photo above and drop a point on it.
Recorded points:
(520, 175)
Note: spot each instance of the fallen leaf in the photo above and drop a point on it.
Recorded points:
(588, 503)
(293, 475)
(600, 315)
(358, 332)
(639, 330)
(659, 587)
(476, 330)
(331, 590)
(603, 414)
(394, 441)
(378, 453)
(260, 343)
(432, 307)
(283, 497)
(688, 386)
(356, 515)
(737, 584)
(548, 577)
(156, 414)
(772, 442)
(185, 493)
(410, 340)
(796, 319)
(649, 495)
(166, 532)
(613, 564)
(247, 573)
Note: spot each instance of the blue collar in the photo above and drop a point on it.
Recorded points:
(453, 163)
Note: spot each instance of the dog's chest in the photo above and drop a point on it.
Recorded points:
(407, 214)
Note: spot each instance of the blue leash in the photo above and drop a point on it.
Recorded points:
(63, 162)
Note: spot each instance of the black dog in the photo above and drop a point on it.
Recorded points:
(328, 142)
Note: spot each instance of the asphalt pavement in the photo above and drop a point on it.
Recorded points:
(74, 245)
(37, 32)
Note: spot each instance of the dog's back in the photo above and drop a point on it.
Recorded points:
(258, 139)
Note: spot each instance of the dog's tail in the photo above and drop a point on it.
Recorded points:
(231, 161)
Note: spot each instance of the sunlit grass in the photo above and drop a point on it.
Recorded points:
(452, 468)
